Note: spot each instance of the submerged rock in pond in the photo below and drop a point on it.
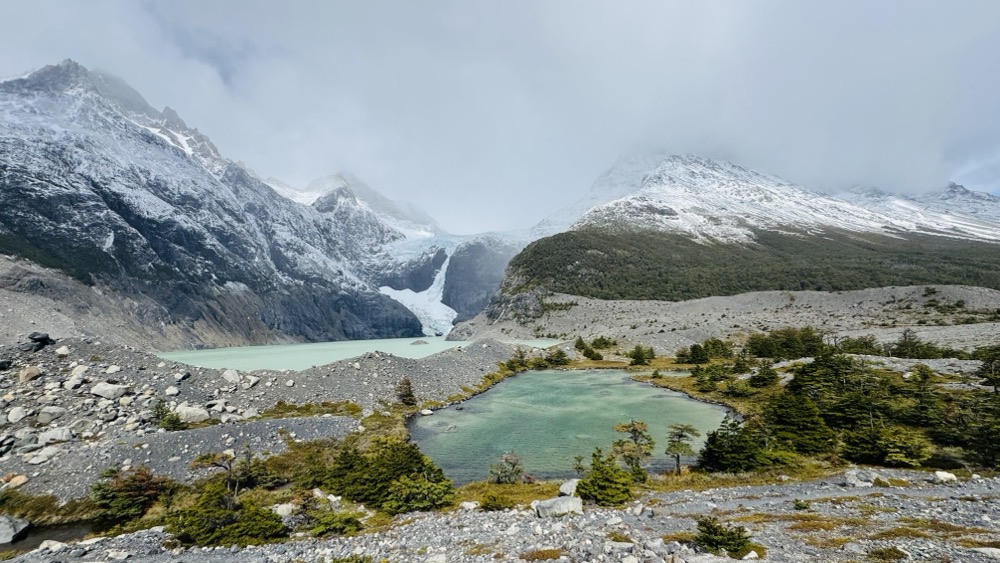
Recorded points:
(418, 343)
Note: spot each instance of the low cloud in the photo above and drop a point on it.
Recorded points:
(490, 115)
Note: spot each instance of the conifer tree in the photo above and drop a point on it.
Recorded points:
(679, 442)
(794, 422)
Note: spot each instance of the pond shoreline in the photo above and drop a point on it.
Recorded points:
(549, 420)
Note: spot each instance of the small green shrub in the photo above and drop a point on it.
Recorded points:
(605, 482)
(172, 422)
(493, 502)
(799, 504)
(541, 555)
(404, 392)
(887, 554)
(217, 519)
(408, 494)
(126, 495)
(713, 536)
(508, 470)
(340, 523)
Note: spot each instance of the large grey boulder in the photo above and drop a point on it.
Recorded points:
(109, 390)
(12, 529)
(232, 376)
(558, 506)
(189, 414)
(55, 435)
(941, 477)
(568, 488)
(50, 413)
(860, 478)
(43, 455)
(17, 414)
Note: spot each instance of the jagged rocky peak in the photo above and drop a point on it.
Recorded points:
(335, 198)
(346, 188)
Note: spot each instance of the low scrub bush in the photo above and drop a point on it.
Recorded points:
(126, 495)
(217, 519)
(605, 482)
(714, 537)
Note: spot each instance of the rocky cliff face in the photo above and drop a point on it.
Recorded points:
(98, 184)
(475, 272)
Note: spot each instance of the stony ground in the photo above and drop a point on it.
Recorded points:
(847, 519)
(883, 312)
(79, 406)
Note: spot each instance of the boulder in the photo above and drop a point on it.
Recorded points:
(62, 351)
(251, 380)
(113, 369)
(171, 391)
(286, 509)
(55, 435)
(29, 373)
(859, 478)
(43, 455)
(426, 412)
(189, 414)
(47, 414)
(6, 365)
(12, 529)
(568, 488)
(40, 337)
(16, 414)
(232, 376)
(78, 371)
(109, 390)
(52, 546)
(469, 505)
(557, 506)
(73, 383)
(941, 477)
(16, 481)
(990, 552)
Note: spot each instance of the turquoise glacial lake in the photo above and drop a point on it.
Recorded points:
(549, 417)
(303, 356)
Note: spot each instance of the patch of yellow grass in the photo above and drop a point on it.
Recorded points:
(519, 493)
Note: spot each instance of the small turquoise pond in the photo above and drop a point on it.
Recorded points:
(549, 417)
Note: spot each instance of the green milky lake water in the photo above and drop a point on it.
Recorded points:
(303, 356)
(548, 417)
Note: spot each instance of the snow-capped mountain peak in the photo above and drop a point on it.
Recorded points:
(708, 199)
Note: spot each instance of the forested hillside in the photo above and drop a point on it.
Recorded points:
(647, 264)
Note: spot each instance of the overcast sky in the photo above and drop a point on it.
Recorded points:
(491, 114)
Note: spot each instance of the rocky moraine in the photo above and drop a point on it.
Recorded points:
(74, 407)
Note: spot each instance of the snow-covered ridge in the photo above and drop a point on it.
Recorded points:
(713, 200)
(93, 175)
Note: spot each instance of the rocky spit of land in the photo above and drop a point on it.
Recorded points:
(79, 406)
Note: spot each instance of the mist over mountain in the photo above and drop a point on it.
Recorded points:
(126, 198)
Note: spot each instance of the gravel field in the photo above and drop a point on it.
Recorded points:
(883, 312)
(858, 518)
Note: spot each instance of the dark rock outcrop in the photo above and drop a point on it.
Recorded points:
(474, 273)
